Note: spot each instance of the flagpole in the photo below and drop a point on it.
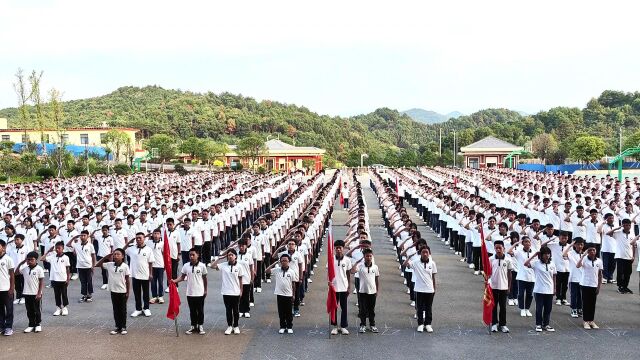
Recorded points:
(175, 321)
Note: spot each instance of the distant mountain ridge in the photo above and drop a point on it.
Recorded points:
(431, 117)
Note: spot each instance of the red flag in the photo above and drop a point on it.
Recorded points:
(340, 190)
(332, 304)
(487, 299)
(398, 187)
(455, 181)
(174, 299)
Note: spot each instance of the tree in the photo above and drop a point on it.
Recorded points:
(56, 117)
(251, 148)
(192, 146)
(116, 140)
(544, 146)
(36, 99)
(165, 145)
(212, 151)
(30, 163)
(633, 141)
(587, 149)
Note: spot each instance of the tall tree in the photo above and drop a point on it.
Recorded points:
(251, 148)
(117, 141)
(587, 149)
(164, 147)
(544, 146)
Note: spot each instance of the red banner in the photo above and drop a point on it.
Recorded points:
(174, 299)
(487, 299)
(332, 304)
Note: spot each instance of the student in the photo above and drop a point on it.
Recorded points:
(18, 252)
(285, 280)
(545, 285)
(195, 273)
(525, 275)
(424, 271)
(369, 275)
(573, 255)
(590, 283)
(105, 247)
(233, 277)
(59, 275)
(7, 284)
(85, 261)
(156, 243)
(342, 286)
(141, 265)
(624, 254)
(558, 246)
(119, 274)
(500, 284)
(245, 260)
(33, 276)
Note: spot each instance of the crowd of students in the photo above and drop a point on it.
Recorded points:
(235, 223)
(546, 234)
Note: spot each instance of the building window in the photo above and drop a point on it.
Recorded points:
(84, 139)
(102, 136)
(6, 138)
(65, 138)
(25, 138)
(474, 163)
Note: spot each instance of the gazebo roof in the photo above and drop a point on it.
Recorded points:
(490, 143)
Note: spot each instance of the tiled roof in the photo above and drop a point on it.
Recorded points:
(490, 142)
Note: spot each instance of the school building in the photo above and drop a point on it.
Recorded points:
(488, 152)
(281, 156)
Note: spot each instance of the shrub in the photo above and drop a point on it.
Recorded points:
(122, 169)
(261, 170)
(78, 170)
(3, 177)
(46, 173)
(180, 170)
(236, 166)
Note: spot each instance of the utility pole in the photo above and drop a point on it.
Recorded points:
(620, 141)
(440, 142)
(454, 148)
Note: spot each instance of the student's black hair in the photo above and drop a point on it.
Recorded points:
(3, 243)
(20, 236)
(626, 221)
(367, 251)
(285, 255)
(232, 251)
(242, 241)
(120, 251)
(498, 242)
(59, 243)
(338, 243)
(195, 251)
(544, 250)
(577, 240)
(32, 255)
(84, 232)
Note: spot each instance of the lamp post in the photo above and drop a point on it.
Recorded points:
(362, 157)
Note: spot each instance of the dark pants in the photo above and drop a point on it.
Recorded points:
(499, 299)
(157, 289)
(119, 302)
(341, 298)
(6, 310)
(174, 269)
(196, 310)
(608, 265)
(33, 310)
(424, 302)
(285, 304)
(86, 282)
(231, 306)
(562, 284)
(185, 257)
(589, 298)
(105, 274)
(576, 296)
(257, 282)
(367, 309)
(72, 261)
(18, 285)
(245, 298)
(624, 272)
(525, 294)
(266, 263)
(408, 276)
(476, 258)
(60, 293)
(544, 302)
(206, 252)
(217, 246)
(514, 286)
(141, 293)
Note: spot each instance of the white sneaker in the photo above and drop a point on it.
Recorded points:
(28, 330)
(408, 291)
(413, 303)
(311, 280)
(236, 330)
(462, 260)
(103, 287)
(229, 330)
(166, 290)
(201, 330)
(252, 304)
(476, 273)
(190, 331)
(65, 311)
(289, 331)
(523, 313)
(247, 315)
(136, 313)
(504, 329)
(281, 331)
(57, 312)
(429, 328)
(22, 301)
(510, 302)
(38, 329)
(420, 328)
(147, 312)
(74, 277)
(16, 301)
(258, 290)
(470, 266)
(515, 302)
(334, 331)
(344, 331)
(529, 314)
(403, 283)
(494, 328)
(362, 329)
(268, 281)
(354, 290)
(558, 302)
(160, 300)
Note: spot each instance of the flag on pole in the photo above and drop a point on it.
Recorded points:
(174, 299)
(340, 190)
(487, 299)
(332, 304)
(455, 181)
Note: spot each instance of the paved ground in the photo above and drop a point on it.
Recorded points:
(459, 332)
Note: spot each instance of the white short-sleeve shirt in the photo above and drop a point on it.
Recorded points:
(341, 267)
(367, 276)
(6, 264)
(231, 275)
(140, 260)
(423, 273)
(544, 277)
(590, 270)
(500, 272)
(31, 278)
(117, 275)
(83, 254)
(58, 264)
(284, 281)
(195, 275)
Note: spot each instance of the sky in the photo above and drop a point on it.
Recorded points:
(342, 57)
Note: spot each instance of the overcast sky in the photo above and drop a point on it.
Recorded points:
(335, 57)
